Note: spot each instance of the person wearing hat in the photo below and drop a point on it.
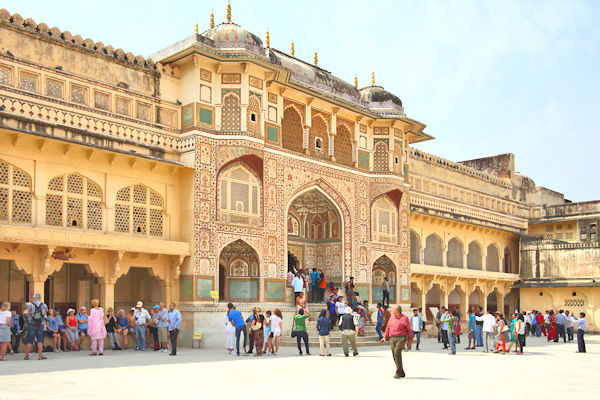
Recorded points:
(348, 323)
(72, 328)
(35, 328)
(141, 317)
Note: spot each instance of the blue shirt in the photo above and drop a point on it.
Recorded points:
(162, 318)
(82, 317)
(52, 323)
(323, 326)
(444, 320)
(471, 321)
(59, 321)
(123, 322)
(379, 316)
(174, 318)
(235, 316)
(313, 278)
(581, 323)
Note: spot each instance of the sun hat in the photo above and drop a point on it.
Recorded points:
(70, 310)
(155, 307)
(348, 310)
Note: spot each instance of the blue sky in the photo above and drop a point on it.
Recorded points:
(487, 77)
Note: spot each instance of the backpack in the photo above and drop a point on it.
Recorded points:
(37, 315)
(456, 328)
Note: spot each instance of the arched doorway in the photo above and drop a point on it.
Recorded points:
(383, 267)
(138, 284)
(314, 235)
(241, 270)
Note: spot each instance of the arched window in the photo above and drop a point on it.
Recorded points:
(292, 131)
(507, 261)
(398, 158)
(433, 250)
(474, 256)
(342, 145)
(231, 112)
(492, 260)
(415, 248)
(385, 220)
(454, 255)
(254, 111)
(15, 194)
(381, 157)
(240, 196)
(74, 201)
(293, 226)
(318, 138)
(139, 210)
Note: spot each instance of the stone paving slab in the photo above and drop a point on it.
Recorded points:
(546, 371)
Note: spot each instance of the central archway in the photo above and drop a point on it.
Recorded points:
(240, 266)
(314, 235)
(383, 267)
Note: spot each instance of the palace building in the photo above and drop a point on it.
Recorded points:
(201, 173)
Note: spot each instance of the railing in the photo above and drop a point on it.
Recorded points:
(567, 209)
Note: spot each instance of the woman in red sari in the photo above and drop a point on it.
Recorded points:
(551, 326)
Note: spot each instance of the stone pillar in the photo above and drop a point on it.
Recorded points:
(331, 147)
(244, 117)
(107, 294)
(444, 257)
(464, 258)
(261, 289)
(464, 304)
(443, 297)
(305, 140)
(36, 286)
(500, 302)
(424, 303)
(484, 301)
(166, 292)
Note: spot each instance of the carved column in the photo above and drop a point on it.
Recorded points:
(305, 140)
(332, 147)
(107, 293)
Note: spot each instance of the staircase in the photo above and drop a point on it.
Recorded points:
(335, 335)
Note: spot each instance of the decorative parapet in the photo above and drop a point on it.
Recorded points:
(432, 159)
(453, 210)
(586, 208)
(556, 245)
(65, 37)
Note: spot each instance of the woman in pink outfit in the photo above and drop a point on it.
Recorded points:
(96, 328)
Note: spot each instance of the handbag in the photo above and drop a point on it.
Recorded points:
(294, 332)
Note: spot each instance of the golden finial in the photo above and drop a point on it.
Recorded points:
(373, 78)
(212, 20)
(196, 28)
(293, 52)
(228, 12)
(268, 40)
(356, 81)
(316, 60)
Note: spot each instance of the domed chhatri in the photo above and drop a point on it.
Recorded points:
(230, 32)
(380, 99)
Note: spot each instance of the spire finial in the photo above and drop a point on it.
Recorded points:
(228, 12)
(356, 81)
(316, 59)
(268, 40)
(293, 52)
(212, 20)
(196, 28)
(373, 78)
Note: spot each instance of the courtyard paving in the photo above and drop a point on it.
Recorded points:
(546, 370)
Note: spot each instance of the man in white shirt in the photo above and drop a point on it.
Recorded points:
(489, 328)
(581, 325)
(298, 285)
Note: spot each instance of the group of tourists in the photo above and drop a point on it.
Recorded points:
(313, 283)
(505, 333)
(261, 331)
(38, 320)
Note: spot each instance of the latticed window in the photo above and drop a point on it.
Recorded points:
(385, 220)
(54, 88)
(28, 81)
(5, 75)
(102, 100)
(240, 199)
(15, 194)
(139, 210)
(74, 201)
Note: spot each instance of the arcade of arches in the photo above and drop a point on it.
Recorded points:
(459, 266)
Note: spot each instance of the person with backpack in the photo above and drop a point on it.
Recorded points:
(453, 329)
(35, 328)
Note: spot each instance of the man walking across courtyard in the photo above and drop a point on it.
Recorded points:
(416, 323)
(399, 333)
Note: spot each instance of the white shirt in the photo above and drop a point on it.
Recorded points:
(488, 322)
(275, 320)
(415, 324)
(229, 328)
(298, 284)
